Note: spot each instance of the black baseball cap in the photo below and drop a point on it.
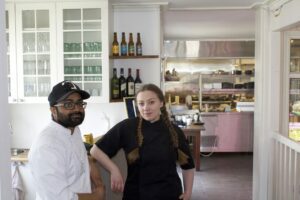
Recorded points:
(63, 89)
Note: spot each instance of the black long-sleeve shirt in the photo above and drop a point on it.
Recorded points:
(153, 176)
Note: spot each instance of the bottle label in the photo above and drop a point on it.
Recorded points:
(137, 87)
(130, 89)
(131, 50)
(115, 50)
(139, 50)
(123, 50)
(123, 86)
(115, 93)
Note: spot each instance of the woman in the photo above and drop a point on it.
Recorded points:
(152, 146)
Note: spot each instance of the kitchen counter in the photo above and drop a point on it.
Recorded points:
(195, 132)
(21, 157)
(227, 113)
(227, 131)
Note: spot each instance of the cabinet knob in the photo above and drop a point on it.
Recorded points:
(21, 100)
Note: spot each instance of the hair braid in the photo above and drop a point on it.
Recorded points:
(168, 123)
(139, 135)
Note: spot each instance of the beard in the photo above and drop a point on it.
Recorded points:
(71, 120)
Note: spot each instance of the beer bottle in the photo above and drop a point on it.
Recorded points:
(115, 45)
(138, 45)
(115, 91)
(130, 45)
(123, 45)
(130, 84)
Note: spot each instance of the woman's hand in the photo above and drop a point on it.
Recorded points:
(116, 179)
(185, 196)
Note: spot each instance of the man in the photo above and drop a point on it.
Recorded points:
(58, 159)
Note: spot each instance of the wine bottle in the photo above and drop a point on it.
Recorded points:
(130, 45)
(122, 84)
(138, 45)
(137, 81)
(123, 45)
(129, 84)
(115, 45)
(115, 90)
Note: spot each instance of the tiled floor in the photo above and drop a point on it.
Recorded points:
(224, 176)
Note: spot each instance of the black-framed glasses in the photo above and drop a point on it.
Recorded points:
(70, 105)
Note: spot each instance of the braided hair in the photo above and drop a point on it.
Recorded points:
(134, 154)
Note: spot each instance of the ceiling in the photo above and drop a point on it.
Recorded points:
(198, 4)
(205, 19)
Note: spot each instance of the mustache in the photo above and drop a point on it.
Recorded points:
(76, 113)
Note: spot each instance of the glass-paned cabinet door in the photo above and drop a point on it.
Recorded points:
(34, 55)
(7, 18)
(10, 55)
(82, 48)
(294, 88)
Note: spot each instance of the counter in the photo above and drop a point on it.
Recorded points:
(227, 132)
(21, 157)
(195, 132)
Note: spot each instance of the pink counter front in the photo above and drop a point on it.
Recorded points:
(227, 132)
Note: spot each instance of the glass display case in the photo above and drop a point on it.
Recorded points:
(294, 89)
(82, 48)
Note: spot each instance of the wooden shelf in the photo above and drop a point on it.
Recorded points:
(134, 57)
(115, 100)
(222, 91)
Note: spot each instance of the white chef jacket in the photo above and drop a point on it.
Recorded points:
(59, 164)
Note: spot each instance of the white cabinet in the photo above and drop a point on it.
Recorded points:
(11, 56)
(83, 41)
(57, 41)
(35, 42)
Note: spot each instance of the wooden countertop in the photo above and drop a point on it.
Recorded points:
(193, 127)
(22, 157)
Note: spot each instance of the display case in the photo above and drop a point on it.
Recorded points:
(294, 87)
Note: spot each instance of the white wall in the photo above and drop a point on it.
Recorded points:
(29, 119)
(209, 24)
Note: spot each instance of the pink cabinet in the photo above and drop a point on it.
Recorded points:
(227, 132)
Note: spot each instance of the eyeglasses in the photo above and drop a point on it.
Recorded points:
(70, 105)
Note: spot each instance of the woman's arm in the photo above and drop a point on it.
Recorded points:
(117, 183)
(188, 180)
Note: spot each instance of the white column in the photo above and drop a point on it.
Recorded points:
(5, 172)
(262, 105)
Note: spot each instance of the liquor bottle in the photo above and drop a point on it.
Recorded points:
(129, 84)
(115, 90)
(122, 84)
(123, 45)
(137, 81)
(138, 45)
(115, 45)
(130, 45)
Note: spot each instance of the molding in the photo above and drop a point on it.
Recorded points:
(254, 5)
(131, 7)
(277, 5)
(141, 4)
